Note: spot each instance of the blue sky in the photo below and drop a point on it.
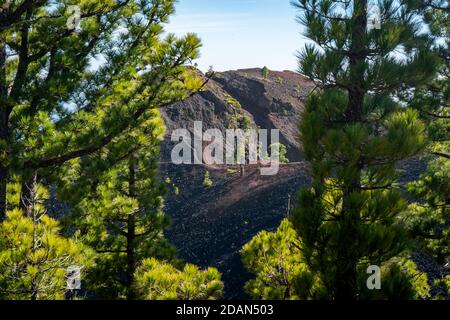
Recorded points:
(241, 33)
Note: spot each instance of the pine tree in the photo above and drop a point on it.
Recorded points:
(432, 98)
(281, 272)
(156, 280)
(207, 181)
(34, 257)
(429, 217)
(353, 133)
(279, 152)
(68, 89)
(117, 203)
(265, 72)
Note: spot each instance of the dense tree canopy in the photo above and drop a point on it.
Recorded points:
(429, 216)
(277, 261)
(80, 87)
(156, 280)
(354, 132)
(67, 92)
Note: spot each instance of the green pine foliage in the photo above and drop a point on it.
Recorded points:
(353, 133)
(59, 101)
(157, 280)
(280, 153)
(78, 109)
(400, 280)
(118, 209)
(432, 98)
(282, 273)
(444, 284)
(265, 72)
(277, 262)
(428, 219)
(207, 181)
(117, 203)
(34, 257)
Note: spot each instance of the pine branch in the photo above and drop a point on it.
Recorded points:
(14, 17)
(440, 154)
(435, 115)
(387, 186)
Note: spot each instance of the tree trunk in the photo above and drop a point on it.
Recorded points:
(26, 188)
(131, 259)
(30, 204)
(4, 123)
(3, 179)
(347, 256)
(131, 235)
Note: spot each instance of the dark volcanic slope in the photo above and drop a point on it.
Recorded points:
(211, 224)
(275, 102)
